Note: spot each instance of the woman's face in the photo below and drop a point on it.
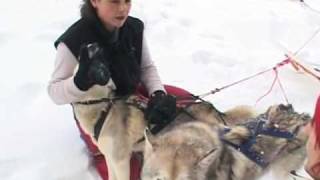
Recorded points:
(112, 13)
(313, 154)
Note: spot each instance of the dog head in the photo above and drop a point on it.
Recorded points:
(176, 158)
(285, 118)
(281, 118)
(275, 148)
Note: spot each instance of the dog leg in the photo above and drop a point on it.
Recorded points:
(118, 165)
(119, 168)
(111, 172)
(105, 147)
(122, 169)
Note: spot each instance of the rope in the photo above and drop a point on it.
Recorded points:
(232, 84)
(297, 66)
(290, 59)
(284, 62)
(313, 35)
(276, 79)
(309, 7)
(283, 91)
(270, 89)
(308, 41)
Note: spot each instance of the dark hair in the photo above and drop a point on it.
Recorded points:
(87, 10)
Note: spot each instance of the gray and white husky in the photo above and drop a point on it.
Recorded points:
(123, 124)
(204, 149)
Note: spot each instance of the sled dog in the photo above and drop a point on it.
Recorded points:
(124, 124)
(121, 127)
(205, 150)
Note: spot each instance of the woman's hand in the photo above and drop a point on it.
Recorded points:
(92, 68)
(161, 109)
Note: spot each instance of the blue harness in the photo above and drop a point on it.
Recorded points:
(257, 128)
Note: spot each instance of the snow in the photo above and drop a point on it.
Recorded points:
(197, 45)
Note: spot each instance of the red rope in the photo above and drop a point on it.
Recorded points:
(272, 85)
(283, 92)
(276, 79)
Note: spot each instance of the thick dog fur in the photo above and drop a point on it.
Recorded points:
(190, 148)
(125, 124)
(193, 150)
(122, 128)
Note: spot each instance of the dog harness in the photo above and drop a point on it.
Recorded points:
(257, 128)
(104, 113)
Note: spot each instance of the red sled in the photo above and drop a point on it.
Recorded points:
(135, 163)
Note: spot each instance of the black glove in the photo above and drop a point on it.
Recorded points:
(92, 67)
(161, 109)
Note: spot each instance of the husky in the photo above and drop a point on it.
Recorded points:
(122, 124)
(207, 150)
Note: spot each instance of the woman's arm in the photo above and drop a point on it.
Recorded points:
(149, 74)
(313, 147)
(61, 87)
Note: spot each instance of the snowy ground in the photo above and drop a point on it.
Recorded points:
(197, 45)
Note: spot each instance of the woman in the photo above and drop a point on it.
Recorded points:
(313, 146)
(122, 55)
(312, 166)
(125, 56)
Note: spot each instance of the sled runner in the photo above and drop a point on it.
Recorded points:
(135, 164)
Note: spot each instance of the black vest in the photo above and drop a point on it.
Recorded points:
(122, 54)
